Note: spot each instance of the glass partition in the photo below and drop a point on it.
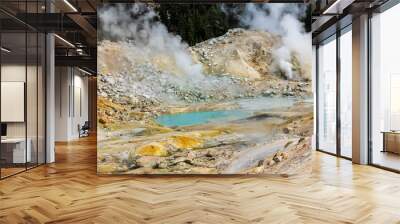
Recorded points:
(327, 96)
(334, 94)
(13, 105)
(385, 89)
(22, 77)
(346, 93)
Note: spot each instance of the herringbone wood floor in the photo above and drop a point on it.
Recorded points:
(70, 192)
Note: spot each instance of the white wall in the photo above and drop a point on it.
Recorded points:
(71, 102)
(80, 110)
(62, 82)
(16, 73)
(33, 126)
(11, 73)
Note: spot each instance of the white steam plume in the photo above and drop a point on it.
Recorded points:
(282, 20)
(156, 64)
(138, 23)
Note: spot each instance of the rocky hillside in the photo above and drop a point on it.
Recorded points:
(244, 53)
(239, 53)
(236, 65)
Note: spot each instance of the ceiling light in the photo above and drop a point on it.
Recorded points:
(5, 50)
(337, 7)
(86, 72)
(331, 7)
(70, 5)
(64, 40)
(79, 51)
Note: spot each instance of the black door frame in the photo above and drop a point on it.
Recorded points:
(338, 33)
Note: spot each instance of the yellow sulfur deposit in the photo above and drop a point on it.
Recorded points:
(152, 149)
(186, 142)
(211, 133)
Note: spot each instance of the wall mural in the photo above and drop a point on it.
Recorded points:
(204, 89)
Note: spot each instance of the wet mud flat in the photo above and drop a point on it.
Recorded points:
(267, 140)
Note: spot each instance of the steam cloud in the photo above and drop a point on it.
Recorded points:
(138, 23)
(281, 20)
(158, 61)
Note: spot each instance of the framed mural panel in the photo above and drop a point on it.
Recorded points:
(204, 88)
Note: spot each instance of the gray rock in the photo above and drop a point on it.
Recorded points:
(278, 159)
